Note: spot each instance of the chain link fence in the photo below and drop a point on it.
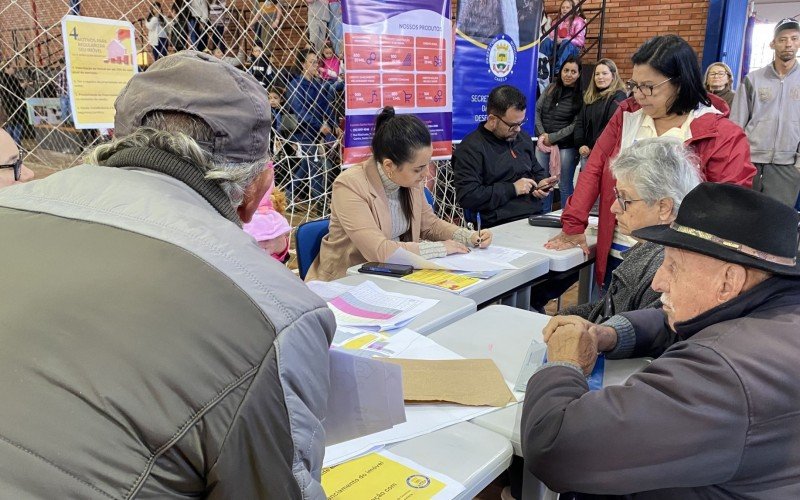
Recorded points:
(266, 38)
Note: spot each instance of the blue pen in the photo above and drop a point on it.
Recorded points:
(479, 229)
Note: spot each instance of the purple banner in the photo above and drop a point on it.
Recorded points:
(397, 53)
(378, 11)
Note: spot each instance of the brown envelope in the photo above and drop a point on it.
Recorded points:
(473, 382)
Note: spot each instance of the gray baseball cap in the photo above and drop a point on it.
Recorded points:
(787, 24)
(230, 101)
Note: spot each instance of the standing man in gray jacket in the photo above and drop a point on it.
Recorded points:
(150, 348)
(767, 107)
(717, 415)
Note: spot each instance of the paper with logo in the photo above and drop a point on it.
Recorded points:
(496, 44)
(100, 57)
(397, 53)
(446, 280)
(387, 476)
(367, 306)
(366, 396)
(472, 382)
(420, 418)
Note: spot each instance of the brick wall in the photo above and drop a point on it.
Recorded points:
(20, 25)
(630, 22)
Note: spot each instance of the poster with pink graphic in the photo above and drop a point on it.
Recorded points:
(397, 53)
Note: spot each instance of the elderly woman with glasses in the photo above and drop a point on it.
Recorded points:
(718, 81)
(652, 176)
(668, 100)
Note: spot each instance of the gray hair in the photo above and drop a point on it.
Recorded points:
(179, 134)
(662, 167)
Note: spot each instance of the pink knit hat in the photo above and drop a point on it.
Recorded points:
(267, 226)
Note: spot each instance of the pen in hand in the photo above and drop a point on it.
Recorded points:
(479, 230)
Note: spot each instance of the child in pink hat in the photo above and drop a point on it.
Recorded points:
(270, 229)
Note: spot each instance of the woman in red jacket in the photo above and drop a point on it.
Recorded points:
(668, 100)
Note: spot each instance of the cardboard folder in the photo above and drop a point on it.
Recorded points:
(472, 382)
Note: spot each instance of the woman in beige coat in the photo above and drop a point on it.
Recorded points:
(379, 206)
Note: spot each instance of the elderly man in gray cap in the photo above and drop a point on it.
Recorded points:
(150, 348)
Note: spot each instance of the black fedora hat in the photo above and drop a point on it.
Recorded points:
(733, 224)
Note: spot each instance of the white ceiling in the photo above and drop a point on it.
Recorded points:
(775, 10)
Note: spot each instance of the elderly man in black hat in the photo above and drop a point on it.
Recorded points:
(150, 348)
(717, 415)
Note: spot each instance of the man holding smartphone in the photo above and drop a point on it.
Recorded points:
(495, 170)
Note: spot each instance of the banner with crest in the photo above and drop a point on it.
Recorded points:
(496, 43)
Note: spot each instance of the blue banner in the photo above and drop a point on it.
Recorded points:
(494, 46)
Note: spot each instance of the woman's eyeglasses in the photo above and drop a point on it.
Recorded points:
(645, 88)
(623, 203)
(17, 165)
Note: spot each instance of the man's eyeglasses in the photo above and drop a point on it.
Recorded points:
(512, 125)
(623, 203)
(17, 165)
(645, 88)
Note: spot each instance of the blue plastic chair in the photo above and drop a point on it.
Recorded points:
(308, 239)
(430, 198)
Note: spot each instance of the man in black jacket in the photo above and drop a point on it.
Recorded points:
(495, 170)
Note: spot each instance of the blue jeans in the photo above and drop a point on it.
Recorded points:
(66, 110)
(335, 27)
(565, 50)
(196, 36)
(332, 89)
(218, 37)
(15, 131)
(308, 177)
(160, 50)
(569, 160)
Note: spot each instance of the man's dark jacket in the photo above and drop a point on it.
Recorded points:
(484, 171)
(716, 416)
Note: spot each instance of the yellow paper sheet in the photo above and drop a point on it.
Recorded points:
(441, 279)
(385, 476)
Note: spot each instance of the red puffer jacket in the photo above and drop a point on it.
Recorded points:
(724, 157)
